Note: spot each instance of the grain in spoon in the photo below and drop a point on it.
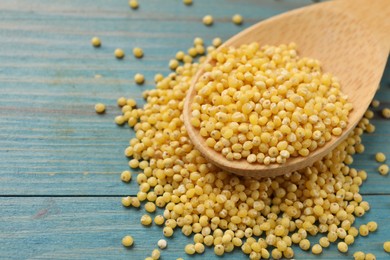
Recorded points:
(351, 39)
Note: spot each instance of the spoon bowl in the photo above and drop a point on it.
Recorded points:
(350, 38)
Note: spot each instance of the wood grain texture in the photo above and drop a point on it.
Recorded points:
(347, 44)
(90, 228)
(52, 143)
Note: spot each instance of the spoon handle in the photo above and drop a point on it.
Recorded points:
(373, 14)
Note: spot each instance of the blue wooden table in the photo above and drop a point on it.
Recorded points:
(60, 162)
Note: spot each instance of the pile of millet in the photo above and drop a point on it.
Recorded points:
(264, 217)
(265, 104)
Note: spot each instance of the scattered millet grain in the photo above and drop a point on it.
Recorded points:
(126, 201)
(162, 243)
(275, 253)
(120, 120)
(133, 4)
(324, 242)
(359, 148)
(386, 113)
(316, 249)
(131, 102)
(138, 52)
(375, 103)
(121, 102)
(342, 247)
(359, 255)
(198, 41)
(363, 230)
(95, 41)
(200, 50)
(269, 108)
(159, 220)
(135, 202)
(217, 42)
(304, 244)
(168, 231)
(139, 78)
(370, 128)
(353, 231)
(349, 239)
(190, 249)
(119, 53)
(126, 176)
(370, 256)
(386, 246)
(127, 241)
(237, 19)
(173, 64)
(180, 55)
(383, 169)
(210, 49)
(372, 226)
(208, 20)
(146, 220)
(100, 108)
(380, 157)
(192, 52)
(199, 248)
(219, 249)
(187, 2)
(369, 114)
(156, 254)
(187, 59)
(150, 206)
(158, 77)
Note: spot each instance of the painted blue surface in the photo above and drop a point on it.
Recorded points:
(60, 162)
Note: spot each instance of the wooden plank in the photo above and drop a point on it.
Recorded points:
(92, 228)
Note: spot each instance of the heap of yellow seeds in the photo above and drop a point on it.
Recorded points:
(263, 217)
(265, 104)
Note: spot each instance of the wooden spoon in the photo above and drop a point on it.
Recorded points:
(351, 39)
